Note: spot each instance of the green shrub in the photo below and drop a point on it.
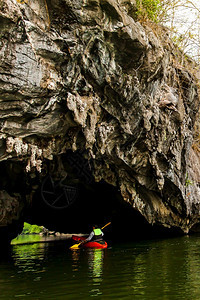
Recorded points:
(149, 9)
(31, 229)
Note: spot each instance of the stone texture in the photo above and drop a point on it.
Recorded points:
(87, 75)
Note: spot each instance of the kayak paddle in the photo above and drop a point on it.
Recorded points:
(76, 246)
(105, 225)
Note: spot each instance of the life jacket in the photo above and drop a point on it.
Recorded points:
(97, 233)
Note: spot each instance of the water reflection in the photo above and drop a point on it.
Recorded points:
(29, 258)
(75, 260)
(161, 269)
(21, 274)
(95, 264)
(94, 271)
(167, 268)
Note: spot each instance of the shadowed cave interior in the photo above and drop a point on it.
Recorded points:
(90, 203)
(67, 200)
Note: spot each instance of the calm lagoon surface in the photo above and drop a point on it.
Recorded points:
(155, 269)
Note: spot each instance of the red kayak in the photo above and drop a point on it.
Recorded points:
(93, 244)
(97, 245)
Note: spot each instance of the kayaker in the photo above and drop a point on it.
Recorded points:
(95, 235)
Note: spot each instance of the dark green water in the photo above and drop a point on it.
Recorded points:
(159, 269)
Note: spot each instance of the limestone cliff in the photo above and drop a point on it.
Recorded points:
(87, 76)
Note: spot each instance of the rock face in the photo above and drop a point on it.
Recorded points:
(86, 76)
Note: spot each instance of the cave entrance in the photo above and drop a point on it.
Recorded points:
(79, 202)
(87, 202)
(97, 203)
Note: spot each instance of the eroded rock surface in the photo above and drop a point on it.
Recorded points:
(85, 75)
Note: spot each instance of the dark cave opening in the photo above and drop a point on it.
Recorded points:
(73, 202)
(96, 203)
(68, 200)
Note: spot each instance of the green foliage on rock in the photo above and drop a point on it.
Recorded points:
(187, 181)
(31, 229)
(148, 9)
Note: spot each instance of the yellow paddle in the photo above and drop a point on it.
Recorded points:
(76, 246)
(105, 225)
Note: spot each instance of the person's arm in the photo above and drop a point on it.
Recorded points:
(89, 237)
